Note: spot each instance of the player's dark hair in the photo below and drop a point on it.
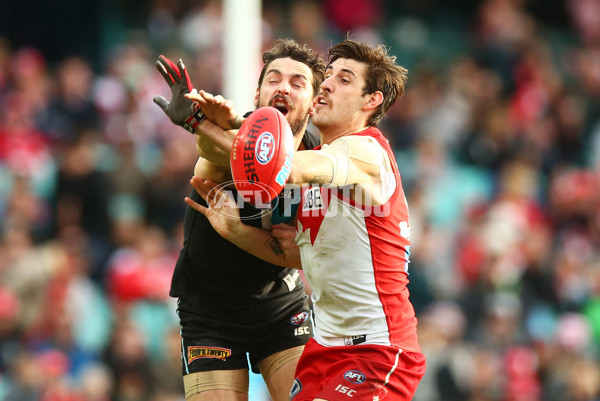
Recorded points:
(382, 74)
(283, 48)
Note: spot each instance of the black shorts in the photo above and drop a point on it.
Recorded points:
(222, 341)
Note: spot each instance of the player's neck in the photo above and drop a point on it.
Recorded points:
(298, 137)
(330, 135)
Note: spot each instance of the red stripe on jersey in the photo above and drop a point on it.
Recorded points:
(389, 252)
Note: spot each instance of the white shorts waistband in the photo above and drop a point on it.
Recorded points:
(377, 338)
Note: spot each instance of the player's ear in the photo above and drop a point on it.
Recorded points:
(257, 97)
(311, 109)
(373, 100)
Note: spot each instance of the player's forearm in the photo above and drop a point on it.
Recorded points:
(236, 123)
(211, 137)
(260, 243)
(333, 166)
(208, 150)
(211, 171)
(309, 168)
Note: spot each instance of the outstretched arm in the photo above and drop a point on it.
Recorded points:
(218, 110)
(211, 136)
(349, 160)
(189, 113)
(214, 143)
(223, 214)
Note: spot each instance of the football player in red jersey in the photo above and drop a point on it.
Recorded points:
(352, 228)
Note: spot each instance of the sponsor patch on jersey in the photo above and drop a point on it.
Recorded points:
(296, 388)
(312, 199)
(299, 318)
(354, 376)
(355, 340)
(197, 352)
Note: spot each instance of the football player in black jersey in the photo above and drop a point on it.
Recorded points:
(233, 306)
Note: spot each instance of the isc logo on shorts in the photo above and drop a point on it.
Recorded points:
(265, 147)
(354, 376)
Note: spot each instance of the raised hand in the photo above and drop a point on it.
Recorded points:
(286, 237)
(222, 211)
(217, 109)
(181, 110)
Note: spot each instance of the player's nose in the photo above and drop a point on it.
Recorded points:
(327, 85)
(284, 88)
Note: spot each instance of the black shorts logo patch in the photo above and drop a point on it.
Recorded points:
(197, 352)
(299, 318)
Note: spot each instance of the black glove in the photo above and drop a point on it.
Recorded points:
(180, 110)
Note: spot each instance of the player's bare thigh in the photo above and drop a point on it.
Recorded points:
(217, 385)
(279, 370)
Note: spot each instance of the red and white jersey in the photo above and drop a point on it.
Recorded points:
(355, 258)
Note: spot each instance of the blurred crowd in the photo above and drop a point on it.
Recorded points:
(497, 140)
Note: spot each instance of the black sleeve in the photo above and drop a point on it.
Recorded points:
(310, 141)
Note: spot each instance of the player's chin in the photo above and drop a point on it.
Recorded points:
(316, 118)
(297, 122)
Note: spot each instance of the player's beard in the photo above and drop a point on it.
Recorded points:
(298, 125)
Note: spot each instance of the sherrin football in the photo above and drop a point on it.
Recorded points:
(262, 156)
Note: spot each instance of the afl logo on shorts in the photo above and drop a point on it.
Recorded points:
(354, 376)
(299, 318)
(265, 147)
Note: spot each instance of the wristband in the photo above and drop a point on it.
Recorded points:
(194, 119)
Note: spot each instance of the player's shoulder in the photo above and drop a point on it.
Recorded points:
(352, 144)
